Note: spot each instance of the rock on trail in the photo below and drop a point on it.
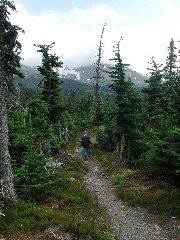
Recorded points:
(129, 223)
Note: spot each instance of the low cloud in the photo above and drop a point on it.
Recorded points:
(77, 33)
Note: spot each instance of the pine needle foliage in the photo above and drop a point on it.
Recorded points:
(127, 101)
(51, 91)
(97, 95)
(10, 49)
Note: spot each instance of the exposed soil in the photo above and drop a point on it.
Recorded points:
(129, 223)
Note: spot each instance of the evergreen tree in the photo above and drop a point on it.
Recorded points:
(171, 61)
(159, 150)
(126, 102)
(51, 92)
(79, 108)
(97, 98)
(172, 84)
(154, 95)
(43, 132)
(177, 96)
(10, 49)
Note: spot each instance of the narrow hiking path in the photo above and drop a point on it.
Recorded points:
(129, 223)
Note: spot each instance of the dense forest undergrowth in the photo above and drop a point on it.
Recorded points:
(64, 208)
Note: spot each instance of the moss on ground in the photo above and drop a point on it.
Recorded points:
(137, 189)
(157, 197)
(69, 207)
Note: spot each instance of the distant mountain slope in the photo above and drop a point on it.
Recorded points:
(85, 74)
(79, 79)
(32, 78)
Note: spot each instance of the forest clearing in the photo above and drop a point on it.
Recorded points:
(87, 153)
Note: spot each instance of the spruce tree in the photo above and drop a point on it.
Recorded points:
(171, 61)
(51, 91)
(10, 49)
(126, 101)
(97, 95)
(154, 95)
(177, 96)
(171, 82)
(159, 151)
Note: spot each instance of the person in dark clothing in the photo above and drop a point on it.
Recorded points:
(85, 142)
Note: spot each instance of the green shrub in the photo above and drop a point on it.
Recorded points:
(119, 179)
(32, 180)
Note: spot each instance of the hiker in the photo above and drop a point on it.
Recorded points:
(85, 142)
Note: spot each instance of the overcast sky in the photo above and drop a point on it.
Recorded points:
(75, 25)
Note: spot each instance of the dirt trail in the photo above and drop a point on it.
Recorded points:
(128, 222)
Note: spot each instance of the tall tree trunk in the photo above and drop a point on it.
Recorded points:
(128, 152)
(97, 132)
(120, 150)
(6, 177)
(117, 151)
